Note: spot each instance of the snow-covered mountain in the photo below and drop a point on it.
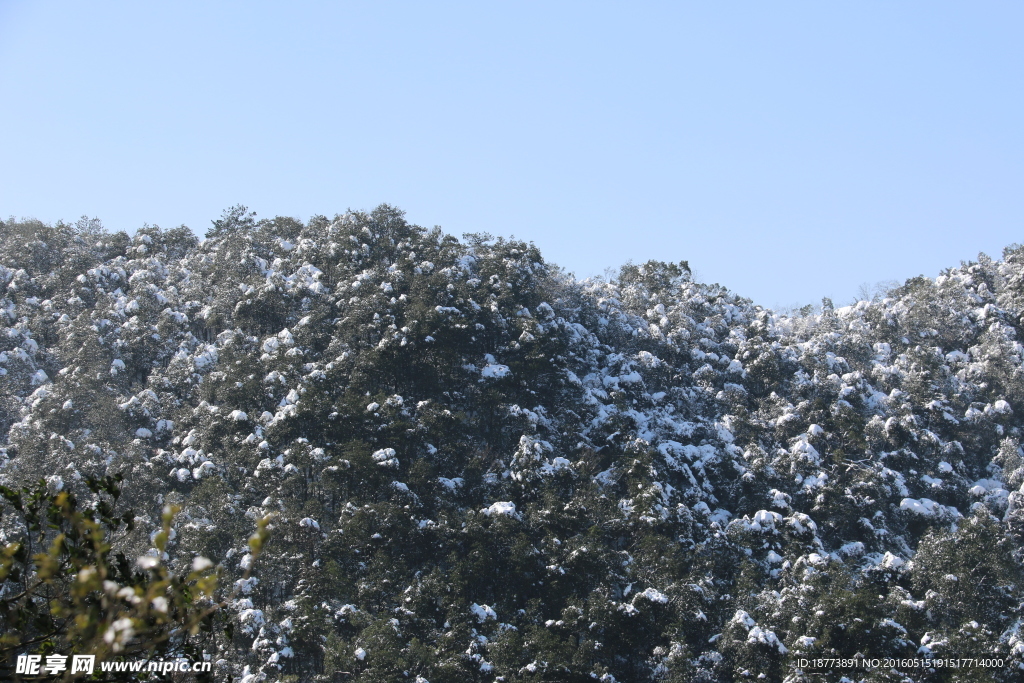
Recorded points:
(483, 469)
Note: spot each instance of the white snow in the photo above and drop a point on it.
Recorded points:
(385, 457)
(743, 619)
(926, 507)
(251, 620)
(765, 520)
(893, 624)
(652, 594)
(483, 612)
(495, 371)
(890, 561)
(200, 563)
(1001, 407)
(851, 549)
(451, 484)
(203, 468)
(505, 508)
(766, 637)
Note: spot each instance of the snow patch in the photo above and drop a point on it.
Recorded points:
(501, 508)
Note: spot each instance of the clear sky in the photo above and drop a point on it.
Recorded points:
(787, 150)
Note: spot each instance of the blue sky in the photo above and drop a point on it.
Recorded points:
(787, 150)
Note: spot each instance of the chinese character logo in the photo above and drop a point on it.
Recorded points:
(82, 664)
(28, 664)
(31, 665)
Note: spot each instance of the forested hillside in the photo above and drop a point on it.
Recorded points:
(481, 469)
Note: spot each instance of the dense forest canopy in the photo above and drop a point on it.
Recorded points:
(479, 468)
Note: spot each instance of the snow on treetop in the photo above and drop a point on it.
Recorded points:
(483, 612)
(494, 369)
(385, 457)
(927, 507)
(652, 594)
(506, 508)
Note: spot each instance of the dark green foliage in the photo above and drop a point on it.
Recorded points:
(481, 469)
(64, 589)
